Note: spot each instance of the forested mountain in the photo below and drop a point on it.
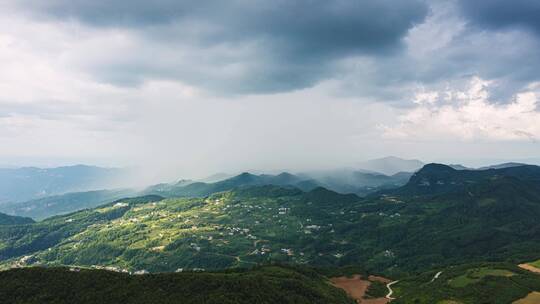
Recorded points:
(341, 181)
(14, 220)
(434, 179)
(473, 216)
(441, 218)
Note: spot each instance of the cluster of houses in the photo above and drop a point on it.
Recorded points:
(265, 249)
(23, 262)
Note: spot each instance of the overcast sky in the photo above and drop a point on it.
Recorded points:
(195, 87)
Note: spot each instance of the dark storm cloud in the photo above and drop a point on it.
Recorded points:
(514, 64)
(501, 14)
(283, 45)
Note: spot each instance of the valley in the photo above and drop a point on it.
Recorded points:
(439, 229)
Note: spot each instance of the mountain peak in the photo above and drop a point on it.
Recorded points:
(285, 174)
(245, 175)
(434, 167)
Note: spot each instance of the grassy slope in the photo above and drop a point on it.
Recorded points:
(220, 232)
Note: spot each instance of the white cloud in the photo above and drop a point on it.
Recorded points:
(469, 115)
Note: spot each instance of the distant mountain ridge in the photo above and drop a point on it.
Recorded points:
(201, 189)
(64, 203)
(342, 181)
(432, 179)
(357, 182)
(21, 184)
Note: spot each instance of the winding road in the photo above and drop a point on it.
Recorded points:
(390, 291)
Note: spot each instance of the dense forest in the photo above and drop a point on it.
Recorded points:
(262, 285)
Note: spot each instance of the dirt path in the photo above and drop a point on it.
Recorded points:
(529, 268)
(390, 291)
(356, 288)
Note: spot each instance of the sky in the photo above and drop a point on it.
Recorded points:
(186, 88)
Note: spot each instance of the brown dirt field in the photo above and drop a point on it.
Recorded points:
(529, 268)
(531, 298)
(356, 288)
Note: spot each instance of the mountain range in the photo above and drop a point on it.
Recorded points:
(356, 181)
(464, 216)
(446, 232)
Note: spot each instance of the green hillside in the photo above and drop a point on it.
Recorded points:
(263, 285)
(493, 283)
(238, 228)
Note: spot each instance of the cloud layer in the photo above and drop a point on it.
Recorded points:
(238, 46)
(195, 87)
